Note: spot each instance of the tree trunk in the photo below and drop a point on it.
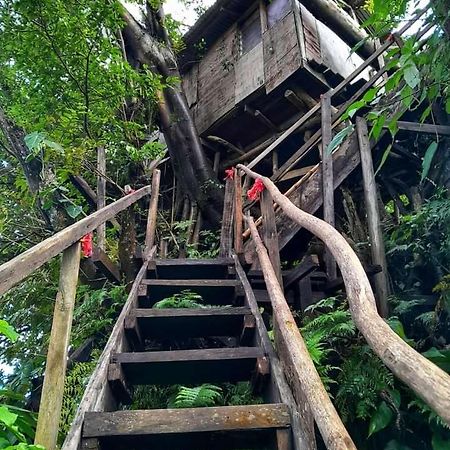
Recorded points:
(191, 167)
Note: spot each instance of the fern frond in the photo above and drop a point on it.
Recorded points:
(183, 299)
(200, 396)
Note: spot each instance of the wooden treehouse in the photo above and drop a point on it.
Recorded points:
(268, 84)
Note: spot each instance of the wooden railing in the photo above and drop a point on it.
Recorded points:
(427, 380)
(67, 242)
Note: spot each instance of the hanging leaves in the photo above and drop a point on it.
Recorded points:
(428, 158)
(339, 138)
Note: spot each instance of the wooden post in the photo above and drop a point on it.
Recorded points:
(152, 213)
(327, 178)
(101, 194)
(373, 217)
(226, 233)
(55, 370)
(269, 233)
(238, 215)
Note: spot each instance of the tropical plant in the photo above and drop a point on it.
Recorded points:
(195, 397)
(184, 299)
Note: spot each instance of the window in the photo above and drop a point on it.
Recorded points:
(251, 34)
(276, 10)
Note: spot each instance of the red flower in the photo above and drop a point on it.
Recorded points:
(255, 192)
(87, 245)
(229, 174)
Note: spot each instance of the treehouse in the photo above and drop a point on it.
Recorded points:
(252, 68)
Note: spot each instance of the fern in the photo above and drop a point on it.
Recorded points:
(200, 396)
(184, 299)
(240, 394)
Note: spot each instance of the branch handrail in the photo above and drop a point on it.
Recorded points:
(333, 92)
(427, 380)
(23, 265)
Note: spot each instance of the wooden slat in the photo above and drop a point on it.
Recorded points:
(192, 283)
(105, 265)
(186, 420)
(238, 214)
(308, 265)
(189, 366)
(426, 128)
(26, 263)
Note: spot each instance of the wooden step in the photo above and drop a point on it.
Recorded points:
(213, 292)
(264, 426)
(144, 324)
(184, 268)
(187, 366)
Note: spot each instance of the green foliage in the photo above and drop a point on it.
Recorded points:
(200, 396)
(184, 299)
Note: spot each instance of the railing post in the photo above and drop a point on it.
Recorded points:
(55, 370)
(327, 178)
(238, 215)
(101, 194)
(373, 217)
(152, 214)
(226, 233)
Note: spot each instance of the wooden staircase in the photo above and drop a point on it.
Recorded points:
(225, 341)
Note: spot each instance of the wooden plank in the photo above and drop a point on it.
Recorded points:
(55, 369)
(373, 217)
(97, 396)
(296, 173)
(284, 440)
(327, 177)
(26, 263)
(102, 261)
(101, 194)
(226, 232)
(311, 36)
(249, 72)
(427, 128)
(238, 215)
(186, 420)
(161, 262)
(309, 264)
(152, 214)
(301, 418)
(215, 365)
(248, 330)
(192, 283)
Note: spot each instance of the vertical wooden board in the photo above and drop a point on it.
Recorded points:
(249, 72)
(190, 85)
(282, 56)
(311, 35)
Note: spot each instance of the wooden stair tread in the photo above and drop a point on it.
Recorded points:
(189, 283)
(186, 420)
(189, 366)
(194, 262)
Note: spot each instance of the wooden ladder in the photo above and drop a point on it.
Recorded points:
(234, 347)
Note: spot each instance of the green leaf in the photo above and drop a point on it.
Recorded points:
(381, 418)
(378, 126)
(353, 108)
(425, 114)
(338, 139)
(447, 106)
(411, 75)
(53, 145)
(384, 158)
(439, 357)
(33, 140)
(7, 417)
(7, 330)
(439, 442)
(428, 158)
(74, 211)
(370, 95)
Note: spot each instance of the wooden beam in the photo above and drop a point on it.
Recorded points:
(292, 97)
(257, 114)
(427, 380)
(327, 178)
(309, 264)
(26, 263)
(152, 214)
(55, 369)
(226, 144)
(296, 173)
(105, 265)
(226, 234)
(373, 217)
(302, 375)
(427, 128)
(101, 194)
(238, 214)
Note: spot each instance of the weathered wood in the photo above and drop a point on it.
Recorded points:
(301, 418)
(26, 263)
(305, 294)
(55, 369)
(97, 396)
(257, 114)
(248, 330)
(226, 144)
(192, 283)
(269, 233)
(101, 194)
(186, 420)
(226, 233)
(373, 217)
(102, 261)
(307, 265)
(261, 375)
(118, 384)
(152, 214)
(296, 173)
(283, 440)
(238, 217)
(427, 128)
(327, 177)
(296, 361)
(427, 380)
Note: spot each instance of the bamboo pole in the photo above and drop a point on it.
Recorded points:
(427, 380)
(55, 370)
(152, 213)
(298, 365)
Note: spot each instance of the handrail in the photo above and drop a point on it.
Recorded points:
(332, 92)
(18, 268)
(427, 380)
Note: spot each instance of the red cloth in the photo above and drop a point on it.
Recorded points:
(87, 245)
(255, 192)
(229, 174)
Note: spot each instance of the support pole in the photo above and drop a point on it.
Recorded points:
(55, 370)
(101, 194)
(327, 178)
(152, 214)
(373, 217)
(238, 215)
